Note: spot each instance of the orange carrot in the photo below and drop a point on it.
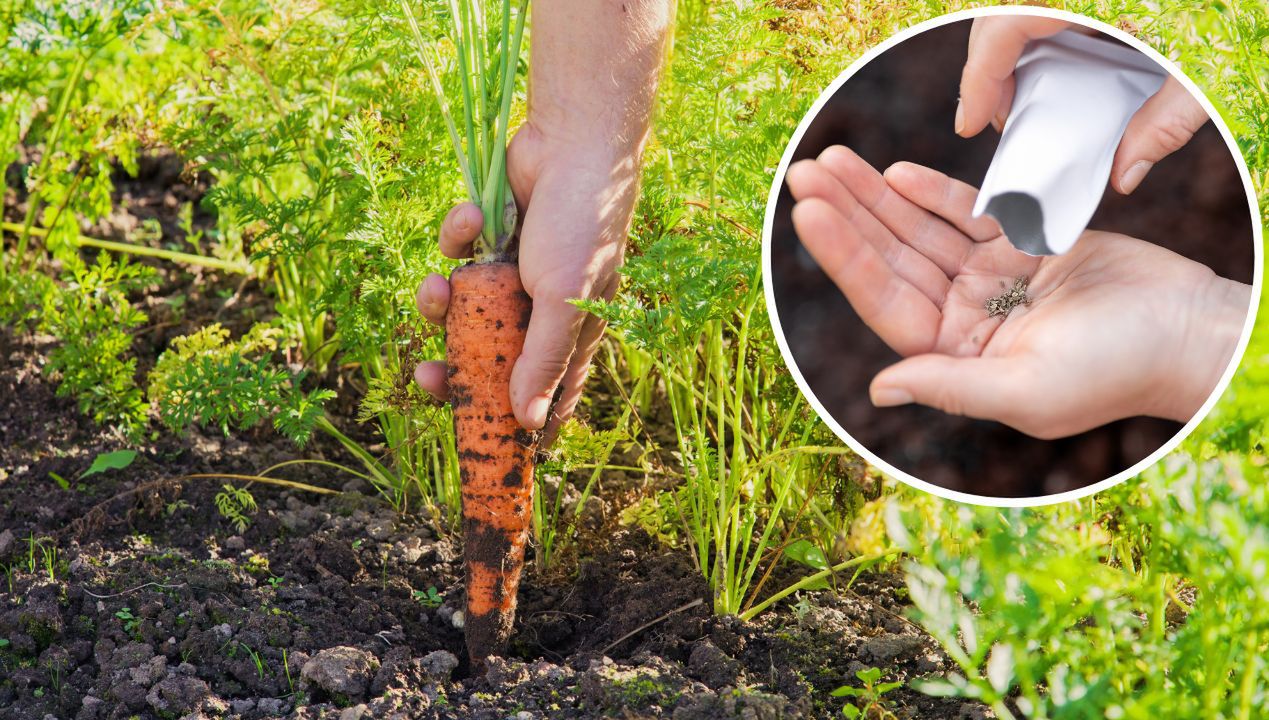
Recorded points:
(485, 328)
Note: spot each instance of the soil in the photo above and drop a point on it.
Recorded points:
(901, 106)
(127, 595)
(157, 607)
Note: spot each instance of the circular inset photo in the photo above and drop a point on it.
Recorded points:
(1012, 255)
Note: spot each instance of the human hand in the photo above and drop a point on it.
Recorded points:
(575, 202)
(1116, 328)
(1162, 126)
(574, 170)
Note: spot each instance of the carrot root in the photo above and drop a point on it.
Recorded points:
(485, 330)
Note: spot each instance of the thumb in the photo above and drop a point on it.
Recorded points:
(548, 347)
(1162, 126)
(977, 387)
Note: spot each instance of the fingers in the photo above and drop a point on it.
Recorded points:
(947, 198)
(977, 387)
(433, 301)
(432, 298)
(931, 240)
(899, 313)
(1164, 123)
(811, 178)
(575, 377)
(460, 229)
(1006, 104)
(431, 376)
(549, 346)
(995, 44)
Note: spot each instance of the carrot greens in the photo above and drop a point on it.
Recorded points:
(485, 64)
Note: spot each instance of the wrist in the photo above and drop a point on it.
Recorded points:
(594, 70)
(1212, 329)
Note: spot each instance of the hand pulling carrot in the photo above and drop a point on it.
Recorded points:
(487, 320)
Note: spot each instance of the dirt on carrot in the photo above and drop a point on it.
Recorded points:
(485, 327)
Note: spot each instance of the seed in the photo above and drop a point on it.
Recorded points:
(1009, 299)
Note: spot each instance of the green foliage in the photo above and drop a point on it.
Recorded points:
(655, 515)
(576, 446)
(91, 316)
(234, 504)
(206, 379)
(692, 309)
(487, 43)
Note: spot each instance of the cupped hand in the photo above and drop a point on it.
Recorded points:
(1115, 328)
(1164, 124)
(575, 202)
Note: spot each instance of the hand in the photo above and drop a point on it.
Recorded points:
(574, 170)
(1162, 126)
(575, 203)
(1116, 328)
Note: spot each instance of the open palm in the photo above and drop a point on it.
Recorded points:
(1117, 327)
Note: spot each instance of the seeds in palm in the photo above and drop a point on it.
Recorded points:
(1011, 298)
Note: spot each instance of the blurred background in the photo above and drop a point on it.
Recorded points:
(901, 106)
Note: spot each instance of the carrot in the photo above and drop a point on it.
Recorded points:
(487, 318)
(485, 328)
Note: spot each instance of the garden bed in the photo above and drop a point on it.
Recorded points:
(157, 607)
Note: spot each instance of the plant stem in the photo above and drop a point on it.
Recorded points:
(186, 258)
(50, 147)
(809, 580)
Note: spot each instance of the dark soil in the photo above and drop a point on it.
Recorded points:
(157, 608)
(901, 106)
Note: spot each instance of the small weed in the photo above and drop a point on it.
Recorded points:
(257, 564)
(871, 703)
(172, 508)
(429, 599)
(130, 621)
(62, 482)
(50, 561)
(256, 660)
(286, 667)
(234, 503)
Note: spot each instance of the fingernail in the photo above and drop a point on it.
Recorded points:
(1133, 176)
(890, 397)
(537, 410)
(960, 118)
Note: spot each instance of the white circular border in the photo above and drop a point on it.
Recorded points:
(873, 459)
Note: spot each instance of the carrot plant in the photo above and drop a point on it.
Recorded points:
(488, 316)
